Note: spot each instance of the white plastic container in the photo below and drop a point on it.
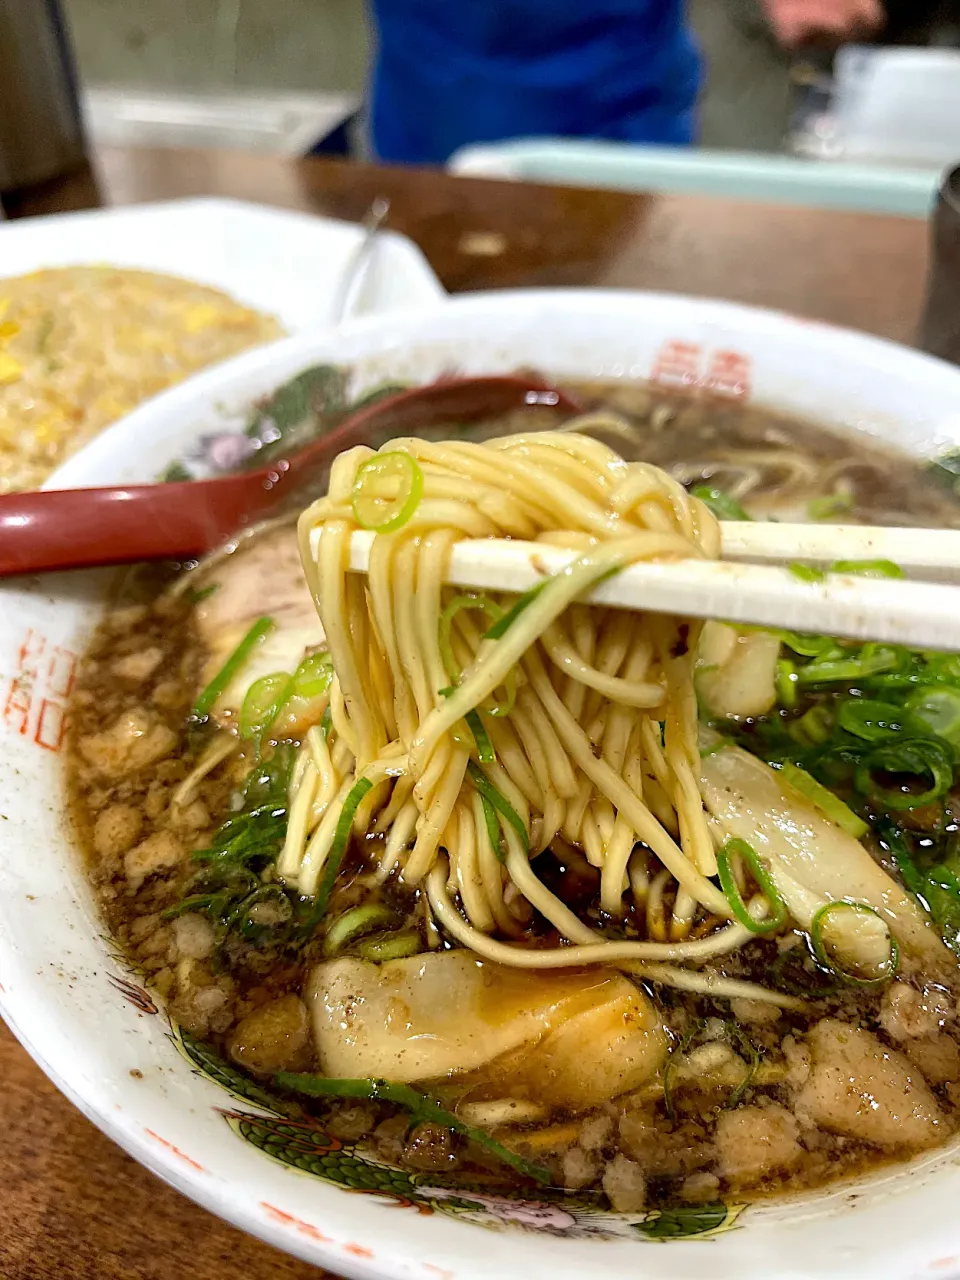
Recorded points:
(897, 106)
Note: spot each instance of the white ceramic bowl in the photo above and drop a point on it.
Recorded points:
(99, 1037)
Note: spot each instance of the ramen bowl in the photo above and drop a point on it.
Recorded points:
(104, 1039)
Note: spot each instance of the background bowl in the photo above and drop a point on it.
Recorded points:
(99, 1036)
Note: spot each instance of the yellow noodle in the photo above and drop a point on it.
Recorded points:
(597, 732)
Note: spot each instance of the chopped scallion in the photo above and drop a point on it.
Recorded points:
(777, 917)
(196, 595)
(390, 946)
(825, 922)
(927, 758)
(868, 568)
(825, 800)
(499, 628)
(208, 698)
(829, 505)
(341, 839)
(422, 1109)
(720, 503)
(354, 924)
(480, 602)
(873, 721)
(485, 751)
(848, 670)
(492, 823)
(938, 707)
(263, 702)
(499, 802)
(806, 572)
(786, 682)
(386, 491)
(314, 675)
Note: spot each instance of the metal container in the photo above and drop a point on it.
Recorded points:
(41, 130)
(940, 328)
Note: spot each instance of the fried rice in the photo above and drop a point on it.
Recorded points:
(82, 346)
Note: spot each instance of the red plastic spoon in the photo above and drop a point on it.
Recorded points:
(80, 528)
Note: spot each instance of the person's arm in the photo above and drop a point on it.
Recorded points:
(798, 22)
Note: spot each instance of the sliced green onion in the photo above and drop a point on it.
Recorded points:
(778, 908)
(868, 568)
(499, 802)
(492, 824)
(893, 838)
(814, 727)
(326, 721)
(314, 675)
(507, 703)
(829, 505)
(387, 491)
(481, 602)
(837, 763)
(806, 572)
(422, 1108)
(485, 751)
(241, 916)
(940, 892)
(391, 946)
(341, 839)
(918, 757)
(499, 628)
(808, 646)
(262, 627)
(943, 666)
(821, 923)
(938, 707)
(354, 924)
(720, 503)
(849, 670)
(196, 595)
(825, 800)
(873, 721)
(743, 1042)
(263, 703)
(786, 683)
(492, 610)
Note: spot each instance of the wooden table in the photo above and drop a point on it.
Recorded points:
(74, 1206)
(852, 269)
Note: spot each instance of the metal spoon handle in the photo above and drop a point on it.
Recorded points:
(356, 269)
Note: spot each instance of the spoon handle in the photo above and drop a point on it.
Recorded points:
(78, 528)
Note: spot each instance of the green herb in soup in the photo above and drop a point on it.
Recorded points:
(522, 891)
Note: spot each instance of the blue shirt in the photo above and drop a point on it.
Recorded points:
(454, 72)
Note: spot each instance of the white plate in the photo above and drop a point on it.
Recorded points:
(289, 264)
(59, 978)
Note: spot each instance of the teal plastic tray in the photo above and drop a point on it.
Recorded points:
(780, 179)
